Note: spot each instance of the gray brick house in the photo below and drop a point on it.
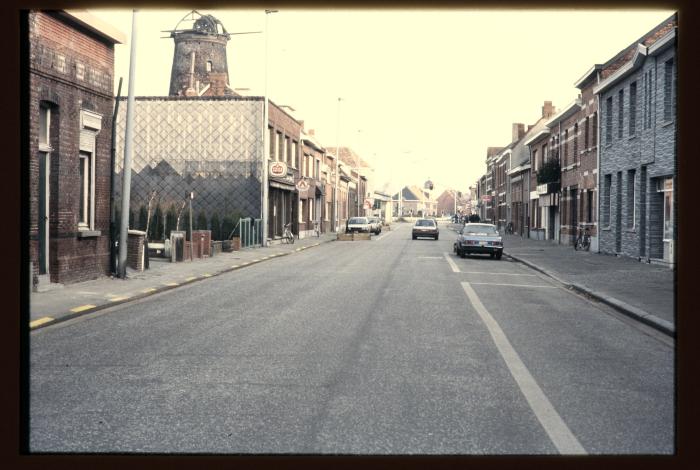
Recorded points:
(636, 93)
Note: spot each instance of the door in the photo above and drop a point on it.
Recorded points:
(43, 213)
(573, 215)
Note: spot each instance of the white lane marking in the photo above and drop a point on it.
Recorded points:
(430, 257)
(499, 274)
(560, 434)
(513, 285)
(453, 265)
(386, 234)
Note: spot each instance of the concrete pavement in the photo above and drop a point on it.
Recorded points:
(69, 301)
(640, 290)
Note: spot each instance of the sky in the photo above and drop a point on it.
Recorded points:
(423, 92)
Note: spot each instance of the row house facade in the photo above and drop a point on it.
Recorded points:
(312, 205)
(605, 163)
(70, 106)
(636, 92)
(544, 217)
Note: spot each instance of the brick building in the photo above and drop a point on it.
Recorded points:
(71, 69)
(575, 131)
(636, 93)
(543, 199)
(313, 207)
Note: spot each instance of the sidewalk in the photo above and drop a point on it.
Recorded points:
(69, 301)
(640, 290)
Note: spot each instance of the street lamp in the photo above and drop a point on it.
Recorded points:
(266, 145)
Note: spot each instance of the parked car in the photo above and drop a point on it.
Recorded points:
(375, 225)
(358, 224)
(425, 228)
(479, 238)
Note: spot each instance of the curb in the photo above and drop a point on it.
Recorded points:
(635, 313)
(47, 321)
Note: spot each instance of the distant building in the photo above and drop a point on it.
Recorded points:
(71, 101)
(636, 93)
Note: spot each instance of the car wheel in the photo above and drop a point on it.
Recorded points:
(414, 237)
(499, 254)
(436, 237)
(462, 254)
(492, 255)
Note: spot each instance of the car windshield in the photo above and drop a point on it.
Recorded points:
(480, 229)
(357, 220)
(425, 223)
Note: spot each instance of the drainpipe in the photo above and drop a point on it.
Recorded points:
(597, 155)
(112, 207)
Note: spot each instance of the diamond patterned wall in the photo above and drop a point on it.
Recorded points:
(210, 146)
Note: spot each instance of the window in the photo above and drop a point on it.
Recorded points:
(586, 132)
(328, 211)
(620, 112)
(633, 108)
(44, 125)
(209, 66)
(566, 147)
(589, 206)
(534, 159)
(665, 186)
(576, 142)
(317, 172)
(606, 201)
(668, 90)
(87, 177)
(608, 121)
(295, 154)
(648, 88)
(631, 209)
(284, 149)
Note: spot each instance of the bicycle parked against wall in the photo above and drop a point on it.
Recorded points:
(583, 241)
(288, 236)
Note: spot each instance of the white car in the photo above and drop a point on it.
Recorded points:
(358, 224)
(375, 225)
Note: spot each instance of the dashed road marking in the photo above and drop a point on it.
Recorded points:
(206, 275)
(513, 285)
(498, 274)
(172, 284)
(82, 308)
(191, 278)
(117, 299)
(234, 266)
(453, 265)
(557, 430)
(150, 289)
(40, 321)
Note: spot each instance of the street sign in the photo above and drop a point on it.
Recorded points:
(368, 204)
(486, 198)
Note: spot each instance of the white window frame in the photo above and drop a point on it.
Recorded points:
(87, 196)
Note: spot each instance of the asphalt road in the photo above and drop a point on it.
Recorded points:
(388, 346)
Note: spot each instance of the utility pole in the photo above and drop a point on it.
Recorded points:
(265, 209)
(190, 197)
(128, 141)
(337, 167)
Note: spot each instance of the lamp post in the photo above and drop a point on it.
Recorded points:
(266, 147)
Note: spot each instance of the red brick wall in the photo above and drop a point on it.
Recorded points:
(71, 259)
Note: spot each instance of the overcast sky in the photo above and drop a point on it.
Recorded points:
(424, 93)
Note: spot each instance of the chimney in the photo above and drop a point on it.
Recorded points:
(547, 110)
(518, 131)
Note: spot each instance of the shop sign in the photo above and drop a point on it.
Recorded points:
(486, 198)
(302, 185)
(278, 169)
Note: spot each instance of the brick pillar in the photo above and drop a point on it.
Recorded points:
(135, 249)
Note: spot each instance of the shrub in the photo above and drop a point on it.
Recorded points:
(143, 215)
(201, 222)
(550, 172)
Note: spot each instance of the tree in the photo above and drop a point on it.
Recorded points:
(201, 222)
(143, 218)
(156, 224)
(215, 227)
(170, 220)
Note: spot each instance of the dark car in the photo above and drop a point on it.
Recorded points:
(426, 228)
(479, 238)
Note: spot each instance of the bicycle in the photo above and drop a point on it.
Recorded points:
(288, 236)
(583, 240)
(317, 229)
